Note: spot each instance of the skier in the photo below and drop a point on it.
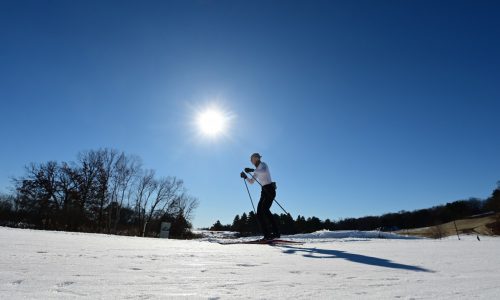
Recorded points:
(268, 193)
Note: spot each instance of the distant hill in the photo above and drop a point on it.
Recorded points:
(486, 225)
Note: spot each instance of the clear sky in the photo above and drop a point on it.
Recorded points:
(358, 107)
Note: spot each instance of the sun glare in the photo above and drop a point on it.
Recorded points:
(212, 122)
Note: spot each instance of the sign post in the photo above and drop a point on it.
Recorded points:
(165, 230)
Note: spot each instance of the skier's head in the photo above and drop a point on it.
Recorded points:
(255, 159)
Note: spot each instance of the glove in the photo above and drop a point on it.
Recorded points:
(248, 170)
(243, 175)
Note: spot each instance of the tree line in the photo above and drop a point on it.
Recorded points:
(247, 224)
(104, 191)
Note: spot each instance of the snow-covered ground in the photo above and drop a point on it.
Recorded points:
(46, 265)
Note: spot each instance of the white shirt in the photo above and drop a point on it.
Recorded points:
(262, 174)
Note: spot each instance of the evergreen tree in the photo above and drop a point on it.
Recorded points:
(217, 226)
(253, 224)
(236, 226)
(244, 228)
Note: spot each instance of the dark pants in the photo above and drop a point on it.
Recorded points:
(264, 214)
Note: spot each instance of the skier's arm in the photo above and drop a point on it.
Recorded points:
(249, 170)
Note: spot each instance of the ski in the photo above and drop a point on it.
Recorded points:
(279, 241)
(261, 242)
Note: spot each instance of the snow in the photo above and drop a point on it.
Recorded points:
(47, 265)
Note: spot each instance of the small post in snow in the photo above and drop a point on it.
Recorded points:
(456, 229)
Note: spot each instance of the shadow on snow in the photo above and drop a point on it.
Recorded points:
(357, 258)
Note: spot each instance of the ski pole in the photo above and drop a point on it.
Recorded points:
(264, 190)
(249, 195)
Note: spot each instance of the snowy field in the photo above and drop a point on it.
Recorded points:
(348, 265)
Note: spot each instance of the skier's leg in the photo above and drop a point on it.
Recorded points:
(271, 194)
(274, 226)
(261, 216)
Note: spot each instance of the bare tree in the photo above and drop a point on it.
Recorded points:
(187, 205)
(126, 171)
(107, 165)
(166, 194)
(38, 192)
(87, 170)
(146, 187)
(68, 193)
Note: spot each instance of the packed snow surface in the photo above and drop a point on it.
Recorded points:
(330, 265)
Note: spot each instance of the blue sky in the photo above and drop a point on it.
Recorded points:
(358, 107)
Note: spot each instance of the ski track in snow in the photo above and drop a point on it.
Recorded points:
(60, 265)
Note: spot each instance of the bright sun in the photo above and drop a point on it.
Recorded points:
(212, 122)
